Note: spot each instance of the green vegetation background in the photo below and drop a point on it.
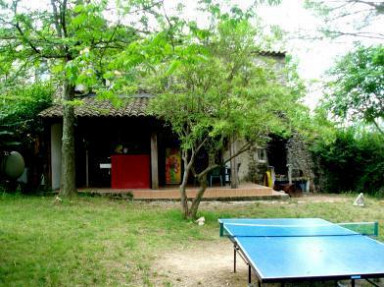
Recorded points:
(354, 161)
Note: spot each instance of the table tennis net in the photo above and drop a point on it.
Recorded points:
(262, 230)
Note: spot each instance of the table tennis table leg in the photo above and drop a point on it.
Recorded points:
(234, 257)
(353, 282)
(249, 275)
(259, 284)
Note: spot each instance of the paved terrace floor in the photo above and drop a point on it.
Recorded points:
(244, 192)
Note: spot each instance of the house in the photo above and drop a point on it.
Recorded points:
(124, 137)
(125, 147)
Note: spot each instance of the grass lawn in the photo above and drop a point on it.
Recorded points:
(93, 241)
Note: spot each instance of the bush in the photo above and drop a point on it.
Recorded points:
(353, 162)
(20, 127)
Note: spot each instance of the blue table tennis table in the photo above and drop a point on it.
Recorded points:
(290, 250)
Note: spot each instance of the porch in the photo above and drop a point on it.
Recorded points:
(246, 191)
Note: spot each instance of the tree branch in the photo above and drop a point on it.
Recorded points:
(30, 44)
(244, 148)
(201, 144)
(170, 28)
(378, 127)
(360, 34)
(147, 7)
(374, 4)
(62, 18)
(56, 18)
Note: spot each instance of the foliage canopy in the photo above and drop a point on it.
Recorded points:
(354, 161)
(357, 89)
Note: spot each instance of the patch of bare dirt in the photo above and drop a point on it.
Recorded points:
(210, 264)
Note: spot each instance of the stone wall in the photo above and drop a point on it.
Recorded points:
(300, 158)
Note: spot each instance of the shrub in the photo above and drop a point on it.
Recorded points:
(20, 126)
(353, 162)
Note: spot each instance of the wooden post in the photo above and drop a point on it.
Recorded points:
(154, 161)
(234, 175)
(86, 167)
(56, 134)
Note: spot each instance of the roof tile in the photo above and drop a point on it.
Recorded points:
(92, 107)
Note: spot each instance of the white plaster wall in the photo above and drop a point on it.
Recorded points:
(243, 159)
(56, 134)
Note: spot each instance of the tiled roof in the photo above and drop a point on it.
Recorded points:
(91, 107)
(271, 53)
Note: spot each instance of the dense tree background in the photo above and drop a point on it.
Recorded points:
(352, 158)
(353, 162)
(356, 92)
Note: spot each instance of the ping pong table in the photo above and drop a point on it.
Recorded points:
(290, 250)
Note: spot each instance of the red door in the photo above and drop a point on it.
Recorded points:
(130, 171)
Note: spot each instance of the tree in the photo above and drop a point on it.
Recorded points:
(349, 17)
(76, 41)
(20, 128)
(357, 89)
(216, 90)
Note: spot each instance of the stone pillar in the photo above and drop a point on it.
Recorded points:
(56, 134)
(154, 161)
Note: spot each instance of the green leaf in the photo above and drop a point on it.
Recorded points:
(172, 67)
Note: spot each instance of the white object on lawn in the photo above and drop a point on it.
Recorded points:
(359, 201)
(200, 221)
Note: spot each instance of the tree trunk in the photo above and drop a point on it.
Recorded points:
(183, 196)
(183, 188)
(196, 201)
(68, 178)
(232, 152)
